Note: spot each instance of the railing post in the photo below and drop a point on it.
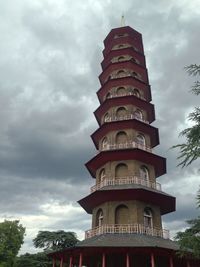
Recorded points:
(70, 261)
(171, 262)
(127, 260)
(54, 262)
(188, 263)
(152, 260)
(103, 260)
(61, 262)
(80, 260)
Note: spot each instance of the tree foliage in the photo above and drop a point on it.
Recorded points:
(53, 241)
(33, 260)
(189, 240)
(11, 239)
(190, 150)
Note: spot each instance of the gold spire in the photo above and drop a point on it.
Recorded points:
(122, 21)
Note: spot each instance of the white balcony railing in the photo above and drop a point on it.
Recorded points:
(113, 95)
(128, 180)
(125, 117)
(124, 75)
(127, 229)
(126, 145)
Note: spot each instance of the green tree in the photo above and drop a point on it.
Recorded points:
(11, 239)
(52, 241)
(189, 240)
(190, 150)
(33, 260)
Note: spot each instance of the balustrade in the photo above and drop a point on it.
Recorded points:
(126, 145)
(127, 229)
(125, 94)
(125, 117)
(128, 180)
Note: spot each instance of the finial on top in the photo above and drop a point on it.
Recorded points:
(122, 21)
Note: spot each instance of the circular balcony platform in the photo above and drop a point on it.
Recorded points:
(128, 180)
(126, 229)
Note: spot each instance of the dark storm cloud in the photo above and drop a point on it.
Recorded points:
(50, 56)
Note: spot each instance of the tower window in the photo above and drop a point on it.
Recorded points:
(106, 117)
(122, 215)
(121, 138)
(138, 114)
(121, 170)
(140, 139)
(105, 143)
(121, 91)
(121, 112)
(108, 95)
(136, 92)
(102, 175)
(148, 222)
(144, 173)
(134, 74)
(99, 218)
(121, 73)
(121, 59)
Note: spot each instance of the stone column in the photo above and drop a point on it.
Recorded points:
(152, 260)
(103, 260)
(80, 259)
(70, 261)
(171, 264)
(61, 262)
(127, 260)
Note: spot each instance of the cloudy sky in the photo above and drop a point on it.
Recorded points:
(50, 54)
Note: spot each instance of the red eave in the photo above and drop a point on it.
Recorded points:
(126, 51)
(103, 157)
(129, 64)
(120, 30)
(126, 124)
(166, 202)
(122, 101)
(123, 82)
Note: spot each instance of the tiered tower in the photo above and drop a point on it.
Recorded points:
(126, 202)
(126, 196)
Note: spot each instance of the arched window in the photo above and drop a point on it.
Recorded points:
(108, 78)
(133, 60)
(105, 143)
(138, 114)
(121, 215)
(102, 175)
(106, 118)
(121, 73)
(120, 113)
(136, 92)
(134, 74)
(121, 138)
(148, 220)
(121, 91)
(121, 59)
(99, 218)
(121, 170)
(120, 46)
(140, 139)
(144, 173)
(108, 95)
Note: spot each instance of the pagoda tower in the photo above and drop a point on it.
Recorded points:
(126, 202)
(126, 196)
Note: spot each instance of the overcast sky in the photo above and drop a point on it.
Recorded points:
(50, 55)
